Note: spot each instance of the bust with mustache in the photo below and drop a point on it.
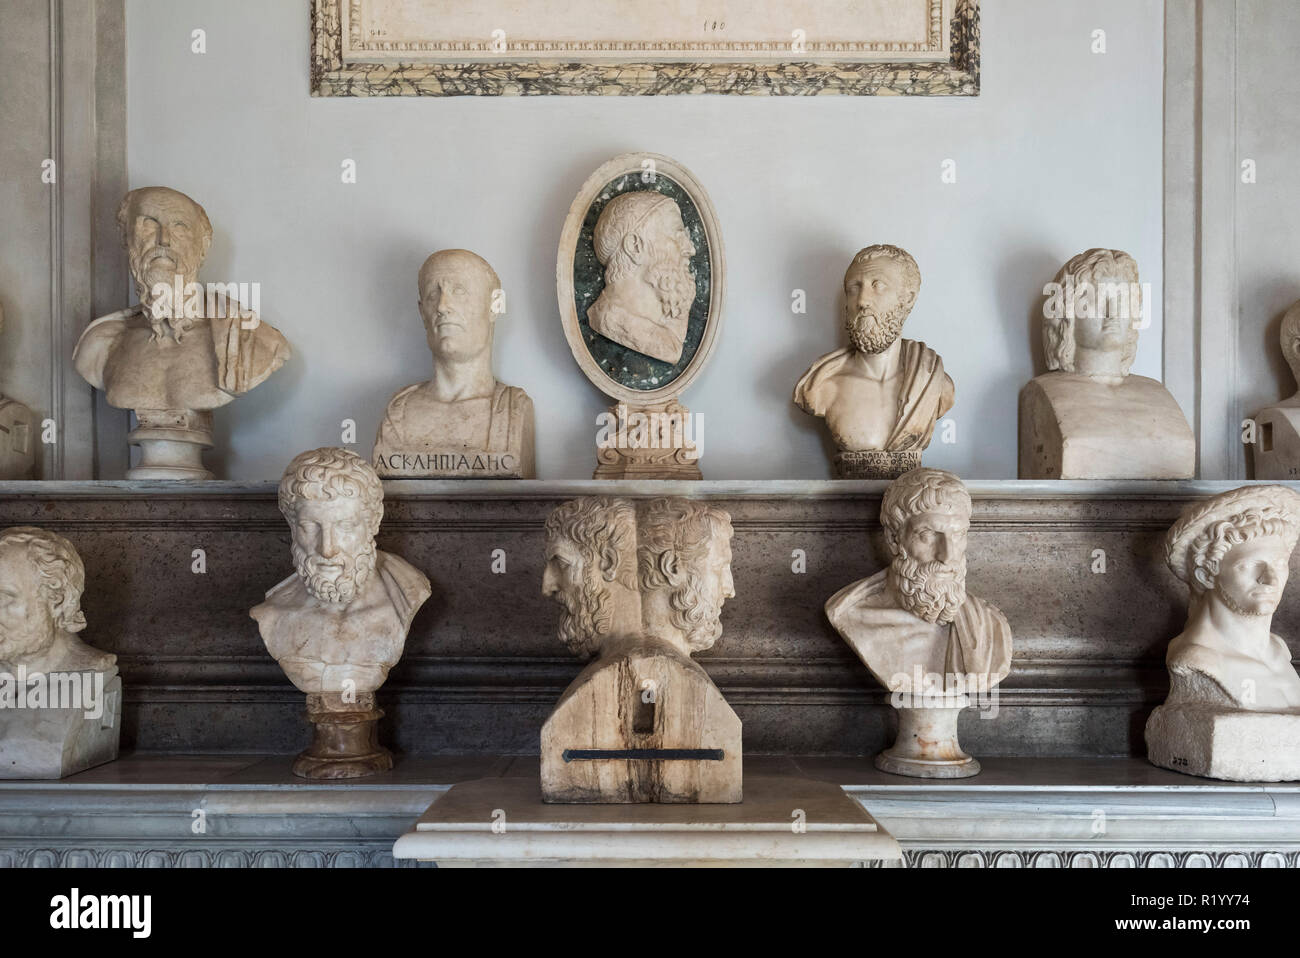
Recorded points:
(1088, 417)
(916, 613)
(463, 422)
(881, 395)
(173, 360)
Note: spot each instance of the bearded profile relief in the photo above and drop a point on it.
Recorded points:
(339, 623)
(881, 395)
(641, 587)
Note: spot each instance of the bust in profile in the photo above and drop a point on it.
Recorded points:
(1233, 709)
(41, 583)
(1276, 450)
(462, 423)
(1088, 417)
(17, 435)
(339, 623)
(183, 351)
(881, 395)
(644, 245)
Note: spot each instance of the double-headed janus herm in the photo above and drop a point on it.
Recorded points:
(881, 395)
(339, 623)
(641, 589)
(184, 350)
(937, 648)
(463, 423)
(1233, 710)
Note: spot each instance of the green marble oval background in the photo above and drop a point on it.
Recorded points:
(626, 366)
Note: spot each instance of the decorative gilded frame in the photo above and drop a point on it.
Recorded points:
(332, 75)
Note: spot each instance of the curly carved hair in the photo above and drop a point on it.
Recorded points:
(331, 473)
(604, 531)
(895, 254)
(63, 576)
(1217, 540)
(1058, 332)
(918, 491)
(674, 537)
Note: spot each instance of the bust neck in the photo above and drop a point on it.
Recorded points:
(1102, 365)
(657, 620)
(456, 380)
(1246, 635)
(882, 365)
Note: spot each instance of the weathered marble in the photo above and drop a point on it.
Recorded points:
(462, 423)
(1276, 450)
(18, 433)
(881, 395)
(339, 623)
(60, 699)
(1088, 418)
(933, 645)
(1233, 709)
(184, 350)
(641, 589)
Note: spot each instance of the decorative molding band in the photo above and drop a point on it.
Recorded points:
(993, 857)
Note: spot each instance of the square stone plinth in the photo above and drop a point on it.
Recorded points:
(783, 821)
(1234, 745)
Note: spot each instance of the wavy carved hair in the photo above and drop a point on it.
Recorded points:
(918, 491)
(331, 473)
(1058, 332)
(63, 576)
(674, 536)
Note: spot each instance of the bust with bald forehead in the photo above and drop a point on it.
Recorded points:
(184, 350)
(462, 423)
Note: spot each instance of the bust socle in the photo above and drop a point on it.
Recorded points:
(462, 423)
(339, 623)
(1276, 450)
(182, 352)
(1088, 417)
(914, 623)
(1233, 710)
(881, 395)
(17, 435)
(41, 582)
(641, 589)
(646, 250)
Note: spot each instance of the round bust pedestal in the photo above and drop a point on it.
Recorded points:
(345, 738)
(927, 746)
(171, 444)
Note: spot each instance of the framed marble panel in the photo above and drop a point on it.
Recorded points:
(628, 47)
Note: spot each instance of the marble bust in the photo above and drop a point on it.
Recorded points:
(462, 423)
(918, 630)
(1088, 417)
(642, 242)
(1277, 440)
(881, 395)
(17, 435)
(183, 351)
(1233, 710)
(339, 623)
(640, 588)
(76, 724)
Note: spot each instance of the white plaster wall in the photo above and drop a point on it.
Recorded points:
(1061, 151)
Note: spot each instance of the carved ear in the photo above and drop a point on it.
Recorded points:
(1203, 577)
(634, 246)
(667, 563)
(608, 563)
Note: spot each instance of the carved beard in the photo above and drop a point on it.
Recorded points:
(147, 272)
(933, 591)
(673, 280)
(584, 620)
(697, 611)
(340, 588)
(1227, 600)
(871, 334)
(34, 636)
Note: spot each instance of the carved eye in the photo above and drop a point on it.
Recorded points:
(879, 285)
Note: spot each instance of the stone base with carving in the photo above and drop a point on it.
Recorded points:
(927, 746)
(17, 440)
(171, 444)
(1231, 744)
(49, 743)
(345, 738)
(874, 464)
(647, 442)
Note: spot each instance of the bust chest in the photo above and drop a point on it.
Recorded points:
(862, 412)
(429, 423)
(143, 374)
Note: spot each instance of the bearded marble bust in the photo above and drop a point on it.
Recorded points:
(1089, 417)
(182, 352)
(644, 245)
(881, 395)
(463, 422)
(916, 615)
(339, 623)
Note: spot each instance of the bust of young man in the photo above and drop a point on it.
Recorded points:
(1088, 417)
(462, 423)
(1276, 450)
(644, 245)
(41, 582)
(180, 353)
(881, 395)
(1233, 709)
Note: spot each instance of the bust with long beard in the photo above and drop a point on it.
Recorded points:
(881, 395)
(339, 623)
